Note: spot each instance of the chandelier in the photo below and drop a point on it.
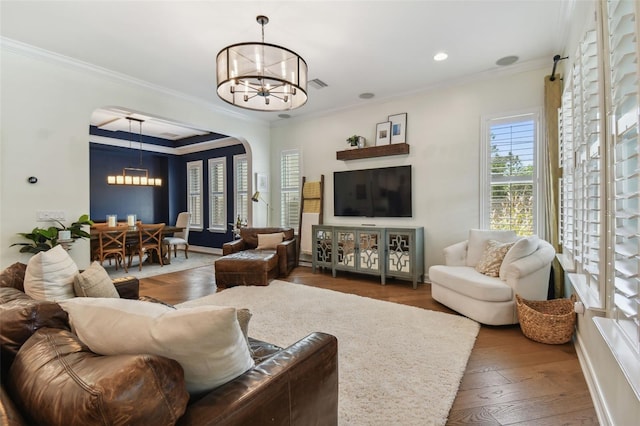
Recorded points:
(138, 176)
(261, 76)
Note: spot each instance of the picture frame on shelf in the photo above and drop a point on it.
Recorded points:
(398, 128)
(383, 133)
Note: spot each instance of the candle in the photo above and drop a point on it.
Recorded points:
(131, 220)
(112, 220)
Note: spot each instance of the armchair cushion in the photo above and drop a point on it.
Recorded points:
(269, 241)
(478, 240)
(467, 281)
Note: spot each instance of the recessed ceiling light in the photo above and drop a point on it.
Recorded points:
(366, 95)
(440, 56)
(507, 60)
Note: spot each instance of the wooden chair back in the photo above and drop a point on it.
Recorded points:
(150, 241)
(112, 243)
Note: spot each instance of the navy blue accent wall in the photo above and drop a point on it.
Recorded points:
(150, 203)
(156, 204)
(206, 238)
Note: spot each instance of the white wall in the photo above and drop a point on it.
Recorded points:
(46, 106)
(443, 131)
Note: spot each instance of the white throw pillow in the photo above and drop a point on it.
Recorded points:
(49, 275)
(94, 282)
(269, 241)
(478, 241)
(522, 248)
(205, 340)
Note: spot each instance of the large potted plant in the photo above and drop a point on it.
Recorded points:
(43, 239)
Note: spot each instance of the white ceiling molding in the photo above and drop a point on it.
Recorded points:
(188, 149)
(28, 50)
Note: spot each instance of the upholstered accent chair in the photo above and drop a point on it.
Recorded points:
(179, 238)
(482, 275)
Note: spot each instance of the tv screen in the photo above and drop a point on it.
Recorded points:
(383, 192)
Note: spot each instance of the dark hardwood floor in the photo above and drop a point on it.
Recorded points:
(509, 380)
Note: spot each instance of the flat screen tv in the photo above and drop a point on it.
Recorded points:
(382, 192)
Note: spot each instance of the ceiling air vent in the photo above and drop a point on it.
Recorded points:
(317, 83)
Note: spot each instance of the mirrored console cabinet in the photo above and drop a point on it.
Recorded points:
(383, 251)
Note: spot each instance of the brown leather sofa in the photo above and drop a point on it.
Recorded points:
(243, 263)
(45, 365)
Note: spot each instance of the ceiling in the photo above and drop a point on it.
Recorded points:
(380, 47)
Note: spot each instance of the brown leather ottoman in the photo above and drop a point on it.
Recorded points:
(247, 267)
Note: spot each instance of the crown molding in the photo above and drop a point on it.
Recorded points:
(489, 74)
(38, 53)
(188, 149)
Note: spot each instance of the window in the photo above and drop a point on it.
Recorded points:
(625, 101)
(217, 194)
(241, 186)
(290, 188)
(508, 199)
(194, 193)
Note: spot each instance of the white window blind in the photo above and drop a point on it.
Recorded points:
(290, 188)
(241, 186)
(623, 58)
(511, 198)
(587, 175)
(217, 194)
(194, 193)
(567, 214)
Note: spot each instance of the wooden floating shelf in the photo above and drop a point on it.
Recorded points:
(373, 151)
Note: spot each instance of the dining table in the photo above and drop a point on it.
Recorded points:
(132, 232)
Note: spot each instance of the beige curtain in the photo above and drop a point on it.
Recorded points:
(552, 101)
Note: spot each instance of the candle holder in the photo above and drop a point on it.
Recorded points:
(112, 220)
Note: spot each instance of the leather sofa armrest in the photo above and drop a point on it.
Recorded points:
(287, 258)
(127, 287)
(233, 247)
(456, 254)
(298, 385)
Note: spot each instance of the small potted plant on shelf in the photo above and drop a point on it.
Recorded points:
(43, 239)
(356, 141)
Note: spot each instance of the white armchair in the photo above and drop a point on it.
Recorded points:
(487, 299)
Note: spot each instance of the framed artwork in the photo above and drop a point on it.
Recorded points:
(383, 133)
(262, 182)
(398, 128)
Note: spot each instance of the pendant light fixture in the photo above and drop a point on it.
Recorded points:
(137, 176)
(261, 76)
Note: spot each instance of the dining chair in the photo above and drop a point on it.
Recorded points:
(149, 242)
(112, 243)
(179, 238)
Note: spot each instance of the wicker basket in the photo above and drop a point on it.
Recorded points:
(547, 321)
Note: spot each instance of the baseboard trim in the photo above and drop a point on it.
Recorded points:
(207, 250)
(592, 383)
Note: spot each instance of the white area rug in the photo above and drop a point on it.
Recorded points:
(178, 263)
(399, 365)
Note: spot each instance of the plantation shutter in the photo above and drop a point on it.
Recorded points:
(242, 188)
(194, 193)
(625, 129)
(217, 202)
(512, 167)
(290, 188)
(567, 214)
